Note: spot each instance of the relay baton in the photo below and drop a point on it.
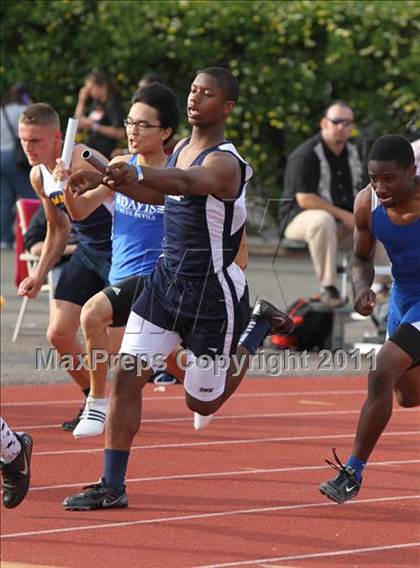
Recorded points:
(68, 147)
(94, 161)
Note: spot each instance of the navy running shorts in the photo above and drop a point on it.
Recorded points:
(209, 314)
(84, 275)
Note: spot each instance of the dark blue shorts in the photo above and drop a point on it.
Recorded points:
(209, 314)
(84, 275)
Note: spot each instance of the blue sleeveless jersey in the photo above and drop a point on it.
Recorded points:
(402, 243)
(203, 232)
(137, 236)
(94, 231)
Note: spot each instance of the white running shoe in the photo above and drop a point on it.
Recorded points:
(201, 422)
(92, 421)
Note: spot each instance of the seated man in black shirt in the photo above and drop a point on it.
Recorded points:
(322, 176)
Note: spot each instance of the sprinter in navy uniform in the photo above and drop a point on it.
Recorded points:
(87, 271)
(196, 295)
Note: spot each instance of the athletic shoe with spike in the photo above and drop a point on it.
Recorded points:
(92, 421)
(16, 475)
(164, 379)
(97, 496)
(344, 486)
(71, 424)
(280, 322)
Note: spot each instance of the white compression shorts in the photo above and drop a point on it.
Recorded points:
(205, 378)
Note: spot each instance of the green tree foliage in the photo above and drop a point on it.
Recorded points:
(291, 58)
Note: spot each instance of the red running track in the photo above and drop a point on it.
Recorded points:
(243, 492)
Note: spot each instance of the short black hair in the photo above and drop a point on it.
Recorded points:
(225, 79)
(164, 100)
(338, 102)
(392, 147)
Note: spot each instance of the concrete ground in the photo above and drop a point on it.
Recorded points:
(280, 279)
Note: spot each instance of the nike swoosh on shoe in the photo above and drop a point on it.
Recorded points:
(106, 503)
(25, 470)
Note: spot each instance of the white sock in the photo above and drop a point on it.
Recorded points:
(201, 422)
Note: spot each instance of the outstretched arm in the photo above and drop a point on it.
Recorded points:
(362, 270)
(219, 175)
(83, 182)
(80, 207)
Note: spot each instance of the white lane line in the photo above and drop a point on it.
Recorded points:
(160, 398)
(259, 561)
(316, 402)
(331, 437)
(206, 475)
(229, 417)
(184, 518)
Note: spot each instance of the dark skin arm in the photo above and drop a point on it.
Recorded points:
(361, 264)
(219, 175)
(80, 208)
(82, 181)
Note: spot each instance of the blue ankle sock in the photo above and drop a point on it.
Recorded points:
(115, 467)
(357, 465)
(254, 334)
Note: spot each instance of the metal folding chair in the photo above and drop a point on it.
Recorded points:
(26, 262)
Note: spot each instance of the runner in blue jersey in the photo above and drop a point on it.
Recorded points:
(197, 295)
(137, 235)
(388, 210)
(87, 271)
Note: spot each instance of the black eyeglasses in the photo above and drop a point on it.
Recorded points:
(141, 124)
(343, 121)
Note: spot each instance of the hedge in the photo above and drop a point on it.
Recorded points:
(291, 58)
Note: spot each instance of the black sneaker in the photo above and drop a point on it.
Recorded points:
(344, 486)
(16, 475)
(70, 425)
(164, 379)
(97, 496)
(280, 322)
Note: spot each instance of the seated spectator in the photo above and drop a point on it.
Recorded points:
(100, 112)
(322, 177)
(34, 241)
